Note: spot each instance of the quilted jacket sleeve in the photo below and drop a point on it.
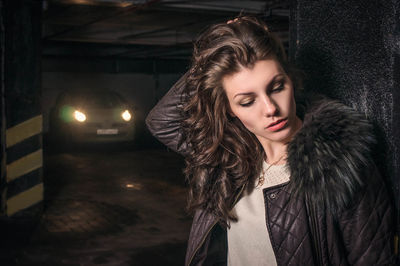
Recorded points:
(368, 227)
(164, 120)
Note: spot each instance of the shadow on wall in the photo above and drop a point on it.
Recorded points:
(318, 66)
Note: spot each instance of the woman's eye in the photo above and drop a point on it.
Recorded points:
(279, 87)
(247, 103)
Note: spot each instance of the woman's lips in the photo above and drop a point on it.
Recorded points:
(278, 125)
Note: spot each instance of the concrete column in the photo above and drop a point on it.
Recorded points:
(2, 117)
(350, 50)
(22, 187)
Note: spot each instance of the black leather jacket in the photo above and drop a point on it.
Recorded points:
(330, 164)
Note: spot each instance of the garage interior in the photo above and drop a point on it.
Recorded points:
(105, 203)
(124, 204)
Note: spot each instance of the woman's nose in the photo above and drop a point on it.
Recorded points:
(270, 108)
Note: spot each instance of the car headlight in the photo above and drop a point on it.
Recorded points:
(126, 115)
(79, 116)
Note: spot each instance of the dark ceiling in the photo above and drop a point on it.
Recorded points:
(130, 29)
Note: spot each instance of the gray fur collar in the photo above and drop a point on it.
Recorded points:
(329, 156)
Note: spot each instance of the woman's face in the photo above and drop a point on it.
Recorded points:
(262, 98)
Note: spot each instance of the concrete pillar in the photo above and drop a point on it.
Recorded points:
(350, 50)
(21, 184)
(2, 116)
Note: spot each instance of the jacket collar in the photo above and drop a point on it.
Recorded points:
(328, 154)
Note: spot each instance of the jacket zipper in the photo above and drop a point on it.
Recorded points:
(211, 227)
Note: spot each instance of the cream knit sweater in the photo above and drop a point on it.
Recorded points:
(248, 239)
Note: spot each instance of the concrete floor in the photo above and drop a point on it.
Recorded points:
(109, 207)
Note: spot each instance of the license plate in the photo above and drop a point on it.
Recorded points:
(107, 131)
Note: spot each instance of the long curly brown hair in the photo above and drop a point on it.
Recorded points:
(224, 156)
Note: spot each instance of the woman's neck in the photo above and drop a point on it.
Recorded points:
(275, 153)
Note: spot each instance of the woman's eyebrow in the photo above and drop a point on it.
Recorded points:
(272, 81)
(277, 76)
(243, 94)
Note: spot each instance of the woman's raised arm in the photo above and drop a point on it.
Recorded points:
(164, 120)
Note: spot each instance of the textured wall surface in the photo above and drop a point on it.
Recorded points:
(350, 50)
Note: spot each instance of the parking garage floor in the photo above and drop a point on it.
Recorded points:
(108, 207)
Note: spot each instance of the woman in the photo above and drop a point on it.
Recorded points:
(270, 185)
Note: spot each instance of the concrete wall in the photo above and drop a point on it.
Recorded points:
(350, 50)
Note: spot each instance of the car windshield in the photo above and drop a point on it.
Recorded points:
(104, 100)
(100, 100)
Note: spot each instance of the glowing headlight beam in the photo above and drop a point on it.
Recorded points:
(79, 116)
(126, 115)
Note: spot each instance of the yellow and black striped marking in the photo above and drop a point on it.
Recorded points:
(24, 165)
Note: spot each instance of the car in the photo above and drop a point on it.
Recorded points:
(82, 115)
